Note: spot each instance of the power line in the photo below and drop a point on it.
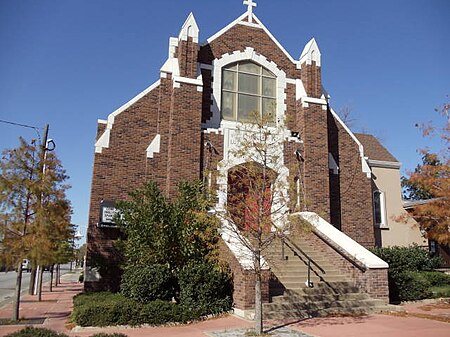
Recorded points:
(23, 125)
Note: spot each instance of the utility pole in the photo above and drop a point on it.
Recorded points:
(35, 269)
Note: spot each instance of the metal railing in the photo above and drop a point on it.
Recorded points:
(303, 257)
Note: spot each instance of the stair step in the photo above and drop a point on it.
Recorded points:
(322, 305)
(319, 297)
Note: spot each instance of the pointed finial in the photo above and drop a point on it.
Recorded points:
(250, 4)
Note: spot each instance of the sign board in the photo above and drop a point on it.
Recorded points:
(107, 213)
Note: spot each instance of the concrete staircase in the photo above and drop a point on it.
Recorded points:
(330, 292)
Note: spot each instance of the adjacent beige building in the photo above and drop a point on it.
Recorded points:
(392, 226)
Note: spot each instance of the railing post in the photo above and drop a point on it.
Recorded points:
(309, 284)
(282, 248)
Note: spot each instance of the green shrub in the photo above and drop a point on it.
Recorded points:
(148, 283)
(412, 286)
(36, 332)
(406, 266)
(103, 309)
(437, 278)
(41, 332)
(412, 258)
(204, 289)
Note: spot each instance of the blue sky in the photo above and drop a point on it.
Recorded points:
(69, 63)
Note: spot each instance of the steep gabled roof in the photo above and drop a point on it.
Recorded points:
(373, 148)
(256, 23)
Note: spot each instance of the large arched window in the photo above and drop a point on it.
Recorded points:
(248, 89)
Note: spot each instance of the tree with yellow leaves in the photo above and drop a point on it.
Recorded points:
(431, 180)
(34, 211)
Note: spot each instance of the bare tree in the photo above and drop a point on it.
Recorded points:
(254, 180)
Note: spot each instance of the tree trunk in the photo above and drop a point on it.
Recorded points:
(16, 305)
(32, 280)
(51, 278)
(258, 296)
(40, 278)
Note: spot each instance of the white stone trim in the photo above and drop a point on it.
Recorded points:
(313, 100)
(189, 29)
(206, 66)
(103, 141)
(248, 314)
(332, 165)
(249, 24)
(102, 121)
(224, 29)
(258, 24)
(276, 41)
(300, 91)
(236, 56)
(351, 247)
(171, 66)
(194, 81)
(154, 146)
(233, 240)
(310, 53)
(291, 81)
(365, 166)
(384, 164)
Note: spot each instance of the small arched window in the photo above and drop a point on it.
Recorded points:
(248, 90)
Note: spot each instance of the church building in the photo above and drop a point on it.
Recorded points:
(186, 124)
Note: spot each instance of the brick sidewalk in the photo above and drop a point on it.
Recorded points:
(56, 307)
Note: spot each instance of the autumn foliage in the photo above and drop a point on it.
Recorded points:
(431, 180)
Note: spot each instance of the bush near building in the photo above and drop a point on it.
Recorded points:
(171, 268)
(411, 275)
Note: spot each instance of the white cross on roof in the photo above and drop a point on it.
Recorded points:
(250, 4)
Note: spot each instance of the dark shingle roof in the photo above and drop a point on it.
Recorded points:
(373, 148)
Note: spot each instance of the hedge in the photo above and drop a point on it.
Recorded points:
(41, 332)
(206, 288)
(410, 276)
(106, 309)
(148, 283)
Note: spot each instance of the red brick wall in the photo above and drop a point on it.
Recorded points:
(240, 37)
(244, 281)
(314, 133)
(352, 190)
(372, 281)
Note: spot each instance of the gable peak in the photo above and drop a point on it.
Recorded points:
(189, 29)
(310, 53)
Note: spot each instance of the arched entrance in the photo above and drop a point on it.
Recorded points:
(250, 196)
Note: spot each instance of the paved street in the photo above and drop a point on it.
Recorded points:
(8, 283)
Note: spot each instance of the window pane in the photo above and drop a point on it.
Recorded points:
(231, 66)
(229, 80)
(265, 72)
(228, 105)
(377, 207)
(249, 67)
(268, 110)
(247, 108)
(249, 84)
(269, 85)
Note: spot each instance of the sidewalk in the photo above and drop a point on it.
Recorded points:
(421, 319)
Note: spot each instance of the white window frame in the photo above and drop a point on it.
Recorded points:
(382, 215)
(248, 55)
(263, 73)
